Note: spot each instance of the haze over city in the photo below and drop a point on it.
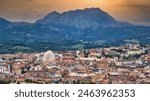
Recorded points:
(134, 11)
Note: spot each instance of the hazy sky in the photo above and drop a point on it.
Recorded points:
(137, 11)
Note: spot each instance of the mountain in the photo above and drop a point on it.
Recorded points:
(4, 23)
(81, 19)
(78, 29)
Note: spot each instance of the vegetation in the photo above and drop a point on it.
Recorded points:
(5, 81)
(28, 81)
(78, 46)
(83, 82)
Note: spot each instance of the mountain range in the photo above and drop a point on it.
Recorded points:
(78, 29)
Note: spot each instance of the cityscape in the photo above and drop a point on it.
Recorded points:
(127, 64)
(74, 42)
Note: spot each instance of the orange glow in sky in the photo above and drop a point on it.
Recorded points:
(31, 10)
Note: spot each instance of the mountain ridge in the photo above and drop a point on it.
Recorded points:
(4, 23)
(81, 19)
(87, 28)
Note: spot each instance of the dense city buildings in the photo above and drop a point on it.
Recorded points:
(128, 64)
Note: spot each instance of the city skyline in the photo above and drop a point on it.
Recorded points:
(31, 10)
(128, 64)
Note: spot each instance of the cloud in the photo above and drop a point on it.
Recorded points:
(131, 10)
(141, 9)
(31, 10)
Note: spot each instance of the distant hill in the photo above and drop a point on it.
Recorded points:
(78, 29)
(4, 23)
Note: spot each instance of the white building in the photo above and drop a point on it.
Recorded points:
(48, 57)
(4, 68)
